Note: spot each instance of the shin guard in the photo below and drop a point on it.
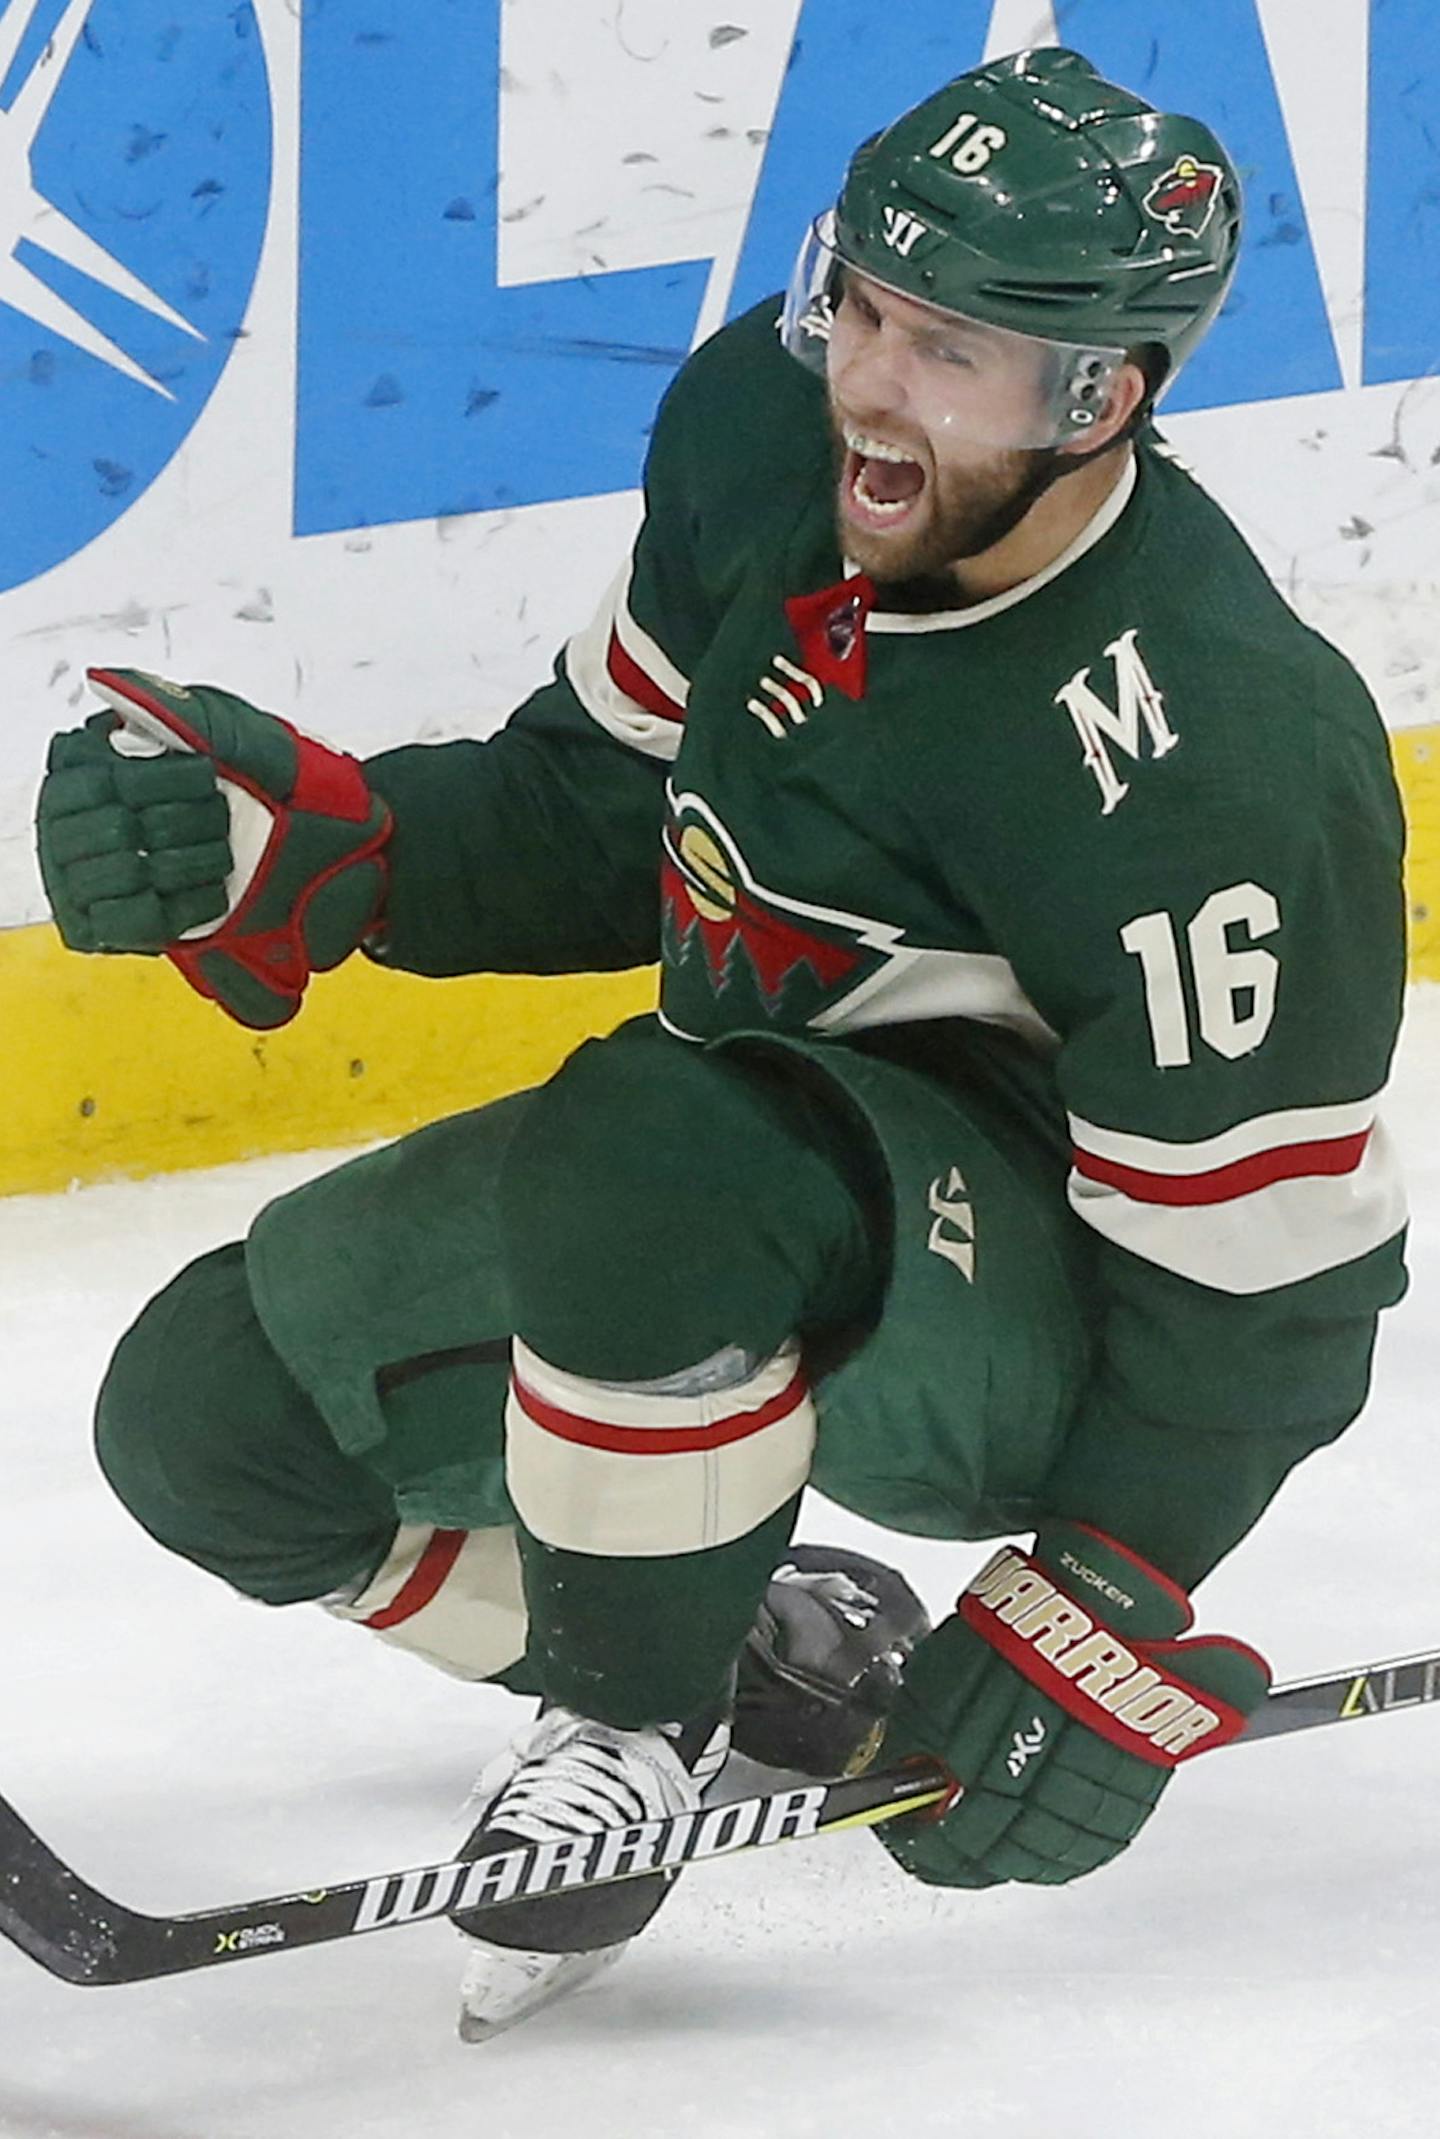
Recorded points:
(453, 1597)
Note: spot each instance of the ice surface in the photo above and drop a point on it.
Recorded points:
(1264, 1962)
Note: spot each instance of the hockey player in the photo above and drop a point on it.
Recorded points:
(1004, 1156)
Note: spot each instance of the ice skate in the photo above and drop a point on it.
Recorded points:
(816, 1682)
(564, 1775)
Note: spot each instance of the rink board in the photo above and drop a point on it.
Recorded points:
(114, 1068)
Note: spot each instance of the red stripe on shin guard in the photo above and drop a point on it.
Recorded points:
(658, 1440)
(424, 1582)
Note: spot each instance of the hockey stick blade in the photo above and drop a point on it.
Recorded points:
(79, 1934)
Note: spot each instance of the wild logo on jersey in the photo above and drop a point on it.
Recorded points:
(736, 952)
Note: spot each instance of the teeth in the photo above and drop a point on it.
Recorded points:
(884, 508)
(875, 448)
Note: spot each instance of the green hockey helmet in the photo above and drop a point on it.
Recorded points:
(1034, 198)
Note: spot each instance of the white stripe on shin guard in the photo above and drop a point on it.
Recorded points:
(453, 1597)
(631, 1473)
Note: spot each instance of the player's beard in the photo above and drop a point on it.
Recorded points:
(967, 511)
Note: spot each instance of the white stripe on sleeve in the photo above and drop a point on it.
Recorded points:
(625, 682)
(1270, 1202)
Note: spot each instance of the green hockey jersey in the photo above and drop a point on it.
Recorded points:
(1132, 810)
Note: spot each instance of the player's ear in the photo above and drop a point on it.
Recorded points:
(1128, 390)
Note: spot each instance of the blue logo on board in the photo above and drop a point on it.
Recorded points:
(428, 386)
(134, 183)
(135, 159)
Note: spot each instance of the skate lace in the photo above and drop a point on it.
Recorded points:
(574, 1776)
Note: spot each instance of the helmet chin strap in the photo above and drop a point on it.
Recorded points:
(1049, 465)
(1046, 468)
(935, 589)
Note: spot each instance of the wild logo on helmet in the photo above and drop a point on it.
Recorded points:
(1184, 197)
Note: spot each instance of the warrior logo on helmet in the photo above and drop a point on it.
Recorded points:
(1184, 198)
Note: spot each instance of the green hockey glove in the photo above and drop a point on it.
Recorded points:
(188, 822)
(1062, 1700)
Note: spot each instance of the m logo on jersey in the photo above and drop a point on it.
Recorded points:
(1139, 707)
(1185, 196)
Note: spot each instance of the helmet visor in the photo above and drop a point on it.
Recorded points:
(986, 385)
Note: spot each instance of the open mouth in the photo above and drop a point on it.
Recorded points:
(882, 485)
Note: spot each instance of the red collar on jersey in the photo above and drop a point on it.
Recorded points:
(829, 628)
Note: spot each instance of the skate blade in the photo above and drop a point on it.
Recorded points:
(527, 1983)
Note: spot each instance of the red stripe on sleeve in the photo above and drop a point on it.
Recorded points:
(1290, 1162)
(658, 1440)
(425, 1581)
(633, 681)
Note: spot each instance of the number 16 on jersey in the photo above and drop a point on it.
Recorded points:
(1234, 987)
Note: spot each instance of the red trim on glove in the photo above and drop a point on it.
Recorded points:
(113, 680)
(277, 959)
(1192, 1642)
(328, 783)
(1178, 1597)
(1123, 1691)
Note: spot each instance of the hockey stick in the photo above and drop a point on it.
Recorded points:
(77, 1932)
(1377, 1690)
(81, 1935)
